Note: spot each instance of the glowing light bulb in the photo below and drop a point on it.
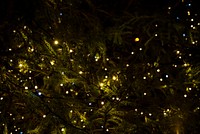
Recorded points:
(56, 42)
(52, 62)
(137, 39)
(80, 72)
(114, 78)
(39, 93)
(158, 70)
(101, 84)
(20, 65)
(63, 129)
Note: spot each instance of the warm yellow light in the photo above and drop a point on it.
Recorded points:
(70, 50)
(52, 62)
(137, 39)
(114, 78)
(80, 72)
(188, 12)
(56, 42)
(20, 65)
(101, 84)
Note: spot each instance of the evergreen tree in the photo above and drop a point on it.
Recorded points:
(99, 67)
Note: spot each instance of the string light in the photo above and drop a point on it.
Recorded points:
(44, 116)
(137, 39)
(56, 42)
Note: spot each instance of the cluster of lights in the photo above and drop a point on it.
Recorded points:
(114, 78)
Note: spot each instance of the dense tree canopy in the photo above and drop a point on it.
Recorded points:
(96, 67)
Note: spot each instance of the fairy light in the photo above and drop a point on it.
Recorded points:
(61, 84)
(137, 39)
(101, 84)
(80, 72)
(70, 50)
(44, 116)
(20, 65)
(39, 93)
(188, 12)
(56, 42)
(114, 78)
(52, 62)
(63, 129)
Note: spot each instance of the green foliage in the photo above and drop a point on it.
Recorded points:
(96, 78)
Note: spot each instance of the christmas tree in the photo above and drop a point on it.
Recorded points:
(99, 67)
